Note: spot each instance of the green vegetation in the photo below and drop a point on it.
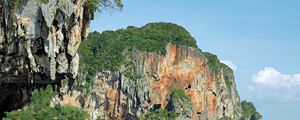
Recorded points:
(228, 82)
(129, 73)
(99, 118)
(161, 114)
(40, 99)
(132, 75)
(256, 116)
(179, 94)
(18, 2)
(248, 109)
(93, 5)
(43, 1)
(243, 118)
(213, 62)
(180, 103)
(96, 5)
(216, 66)
(225, 118)
(39, 109)
(104, 51)
(164, 114)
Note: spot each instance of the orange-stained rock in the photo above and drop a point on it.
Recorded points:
(186, 68)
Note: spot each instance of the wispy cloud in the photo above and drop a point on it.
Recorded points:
(269, 81)
(230, 64)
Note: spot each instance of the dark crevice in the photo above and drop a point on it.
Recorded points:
(156, 107)
(71, 82)
(119, 89)
(2, 52)
(38, 47)
(188, 87)
(55, 24)
(224, 109)
(138, 102)
(44, 28)
(148, 100)
(75, 1)
(16, 96)
(214, 93)
(87, 17)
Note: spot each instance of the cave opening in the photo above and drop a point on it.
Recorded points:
(156, 107)
(13, 96)
(188, 87)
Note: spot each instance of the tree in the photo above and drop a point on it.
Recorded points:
(93, 5)
(248, 109)
(39, 109)
(104, 51)
(96, 5)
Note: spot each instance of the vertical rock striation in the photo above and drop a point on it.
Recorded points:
(152, 80)
(38, 43)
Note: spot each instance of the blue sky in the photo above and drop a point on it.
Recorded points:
(261, 38)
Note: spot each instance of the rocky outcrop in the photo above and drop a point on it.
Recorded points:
(151, 82)
(38, 43)
(181, 105)
(38, 46)
(256, 116)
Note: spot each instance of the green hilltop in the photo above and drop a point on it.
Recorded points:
(104, 50)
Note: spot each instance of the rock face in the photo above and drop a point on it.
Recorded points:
(180, 104)
(117, 95)
(38, 44)
(256, 116)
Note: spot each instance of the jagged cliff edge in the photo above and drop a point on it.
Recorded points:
(114, 96)
(38, 45)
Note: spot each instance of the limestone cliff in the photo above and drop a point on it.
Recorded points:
(153, 72)
(117, 95)
(38, 45)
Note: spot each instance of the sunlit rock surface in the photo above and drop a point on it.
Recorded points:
(38, 45)
(115, 96)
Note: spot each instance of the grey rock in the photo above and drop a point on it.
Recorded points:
(256, 116)
(39, 31)
(39, 42)
(114, 95)
(62, 63)
(182, 106)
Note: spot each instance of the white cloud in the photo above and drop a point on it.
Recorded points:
(270, 77)
(270, 83)
(230, 64)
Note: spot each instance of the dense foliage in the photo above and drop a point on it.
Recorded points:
(39, 109)
(179, 94)
(225, 118)
(216, 66)
(104, 51)
(213, 62)
(248, 109)
(93, 5)
(256, 116)
(161, 114)
(96, 5)
(166, 114)
(228, 82)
